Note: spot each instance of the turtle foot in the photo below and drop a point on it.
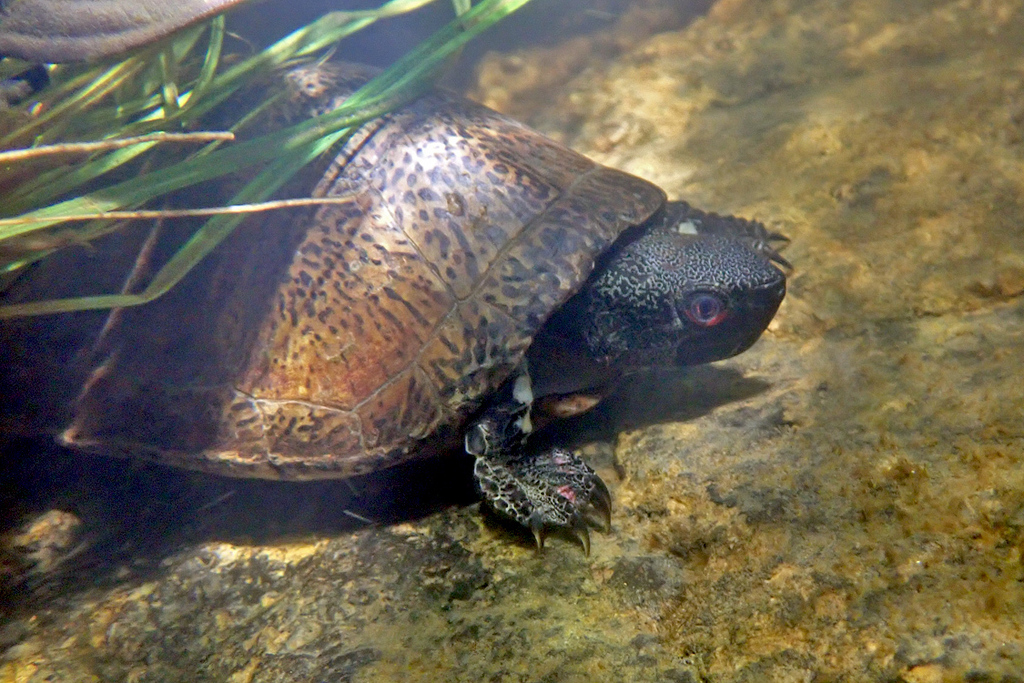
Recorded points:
(553, 489)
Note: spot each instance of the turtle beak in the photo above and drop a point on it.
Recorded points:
(760, 311)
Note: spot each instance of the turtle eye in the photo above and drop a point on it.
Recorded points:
(705, 309)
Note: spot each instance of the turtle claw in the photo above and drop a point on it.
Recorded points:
(581, 531)
(550, 489)
(601, 501)
(537, 527)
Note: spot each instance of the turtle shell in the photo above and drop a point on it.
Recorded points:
(349, 338)
(76, 30)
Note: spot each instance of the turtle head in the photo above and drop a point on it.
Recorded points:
(691, 288)
(725, 295)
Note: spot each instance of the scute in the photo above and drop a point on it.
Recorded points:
(338, 341)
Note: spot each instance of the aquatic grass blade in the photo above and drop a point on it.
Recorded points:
(292, 148)
(74, 102)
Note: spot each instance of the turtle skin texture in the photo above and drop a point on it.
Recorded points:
(685, 288)
(395, 322)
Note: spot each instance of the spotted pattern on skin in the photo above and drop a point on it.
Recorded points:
(641, 300)
(554, 488)
(686, 287)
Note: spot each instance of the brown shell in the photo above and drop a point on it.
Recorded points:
(337, 342)
(76, 30)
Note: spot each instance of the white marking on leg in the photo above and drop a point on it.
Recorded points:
(522, 390)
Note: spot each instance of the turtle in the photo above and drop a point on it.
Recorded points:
(472, 281)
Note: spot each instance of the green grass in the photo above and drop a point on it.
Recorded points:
(169, 88)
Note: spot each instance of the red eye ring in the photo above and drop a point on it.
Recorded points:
(706, 309)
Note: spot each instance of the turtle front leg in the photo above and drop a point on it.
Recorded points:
(542, 490)
(550, 489)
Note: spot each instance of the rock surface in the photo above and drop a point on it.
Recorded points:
(844, 502)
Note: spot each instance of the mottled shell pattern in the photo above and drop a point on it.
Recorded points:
(367, 331)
